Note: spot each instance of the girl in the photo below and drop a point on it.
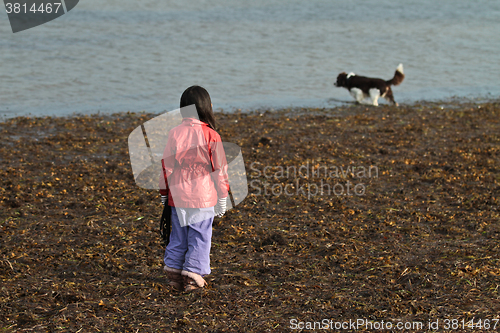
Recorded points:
(194, 183)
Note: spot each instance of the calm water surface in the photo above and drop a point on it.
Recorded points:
(127, 55)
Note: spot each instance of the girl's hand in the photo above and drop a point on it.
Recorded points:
(164, 199)
(220, 207)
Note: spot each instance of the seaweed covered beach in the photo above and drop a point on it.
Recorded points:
(354, 213)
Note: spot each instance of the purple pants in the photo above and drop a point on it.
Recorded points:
(189, 247)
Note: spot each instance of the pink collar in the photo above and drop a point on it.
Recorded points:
(193, 121)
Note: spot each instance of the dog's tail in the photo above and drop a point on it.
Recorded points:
(399, 76)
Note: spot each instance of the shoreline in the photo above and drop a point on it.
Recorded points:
(454, 101)
(81, 248)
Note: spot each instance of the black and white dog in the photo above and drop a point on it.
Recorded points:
(362, 87)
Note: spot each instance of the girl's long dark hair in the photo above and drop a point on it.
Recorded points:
(198, 96)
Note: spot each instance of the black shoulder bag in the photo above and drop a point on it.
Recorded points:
(165, 222)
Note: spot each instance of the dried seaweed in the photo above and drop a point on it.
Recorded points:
(81, 251)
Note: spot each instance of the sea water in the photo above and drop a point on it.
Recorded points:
(115, 56)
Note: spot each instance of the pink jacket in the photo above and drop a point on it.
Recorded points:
(194, 163)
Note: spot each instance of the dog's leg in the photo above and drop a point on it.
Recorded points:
(390, 97)
(374, 95)
(358, 95)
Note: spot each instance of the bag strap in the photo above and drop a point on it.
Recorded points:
(205, 134)
(210, 156)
